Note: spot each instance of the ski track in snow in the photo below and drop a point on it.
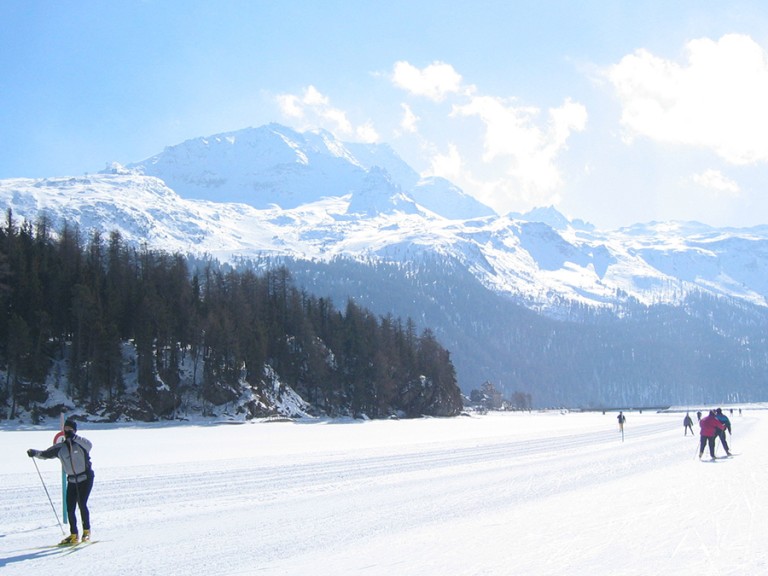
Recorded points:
(498, 494)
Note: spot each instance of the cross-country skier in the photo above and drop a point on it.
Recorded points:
(721, 433)
(74, 453)
(688, 424)
(621, 418)
(709, 425)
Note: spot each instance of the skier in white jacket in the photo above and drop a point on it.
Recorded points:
(74, 453)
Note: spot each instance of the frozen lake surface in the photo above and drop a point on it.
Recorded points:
(499, 494)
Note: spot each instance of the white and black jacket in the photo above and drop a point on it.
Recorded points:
(74, 454)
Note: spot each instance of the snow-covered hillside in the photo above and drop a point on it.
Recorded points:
(274, 165)
(328, 204)
(526, 494)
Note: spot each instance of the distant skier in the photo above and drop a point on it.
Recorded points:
(621, 418)
(721, 433)
(688, 424)
(74, 453)
(709, 426)
(698, 416)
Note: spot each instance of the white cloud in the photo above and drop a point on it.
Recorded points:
(504, 153)
(716, 181)
(528, 150)
(367, 133)
(313, 97)
(290, 105)
(409, 121)
(716, 99)
(435, 81)
(312, 109)
(447, 165)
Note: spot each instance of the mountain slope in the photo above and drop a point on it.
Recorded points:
(345, 214)
(529, 261)
(274, 165)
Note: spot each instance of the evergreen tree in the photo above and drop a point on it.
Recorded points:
(80, 305)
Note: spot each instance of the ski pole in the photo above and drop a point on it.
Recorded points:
(49, 496)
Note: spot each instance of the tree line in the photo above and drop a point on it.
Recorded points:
(208, 332)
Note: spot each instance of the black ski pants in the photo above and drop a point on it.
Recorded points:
(721, 435)
(707, 440)
(77, 497)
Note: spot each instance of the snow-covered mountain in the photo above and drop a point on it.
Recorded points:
(271, 190)
(354, 220)
(276, 166)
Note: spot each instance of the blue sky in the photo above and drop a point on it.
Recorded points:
(614, 112)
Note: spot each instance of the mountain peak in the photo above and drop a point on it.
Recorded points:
(276, 165)
(552, 217)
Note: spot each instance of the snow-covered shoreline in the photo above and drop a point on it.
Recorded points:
(497, 494)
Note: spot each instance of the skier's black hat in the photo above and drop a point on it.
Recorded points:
(71, 424)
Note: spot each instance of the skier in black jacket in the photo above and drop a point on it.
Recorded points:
(721, 433)
(74, 453)
(621, 418)
(688, 424)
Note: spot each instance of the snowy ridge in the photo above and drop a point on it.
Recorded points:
(273, 191)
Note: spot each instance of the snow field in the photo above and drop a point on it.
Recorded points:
(498, 494)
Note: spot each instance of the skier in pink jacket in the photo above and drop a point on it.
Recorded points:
(709, 427)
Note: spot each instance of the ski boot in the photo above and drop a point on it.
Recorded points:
(86, 536)
(69, 540)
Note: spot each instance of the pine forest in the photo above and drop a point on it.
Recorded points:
(135, 333)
